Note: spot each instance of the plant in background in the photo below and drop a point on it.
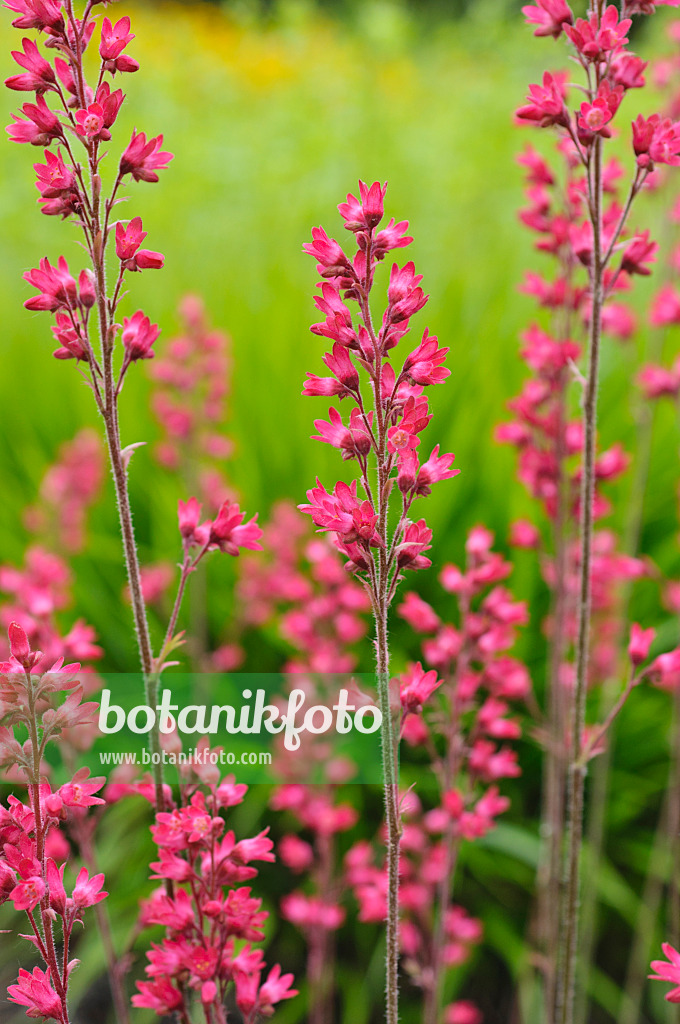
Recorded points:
(455, 712)
(610, 72)
(382, 435)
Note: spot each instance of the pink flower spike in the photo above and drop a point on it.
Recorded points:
(87, 890)
(138, 337)
(668, 971)
(640, 642)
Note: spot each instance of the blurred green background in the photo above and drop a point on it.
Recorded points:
(274, 110)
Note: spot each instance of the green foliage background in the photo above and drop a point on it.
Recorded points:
(273, 118)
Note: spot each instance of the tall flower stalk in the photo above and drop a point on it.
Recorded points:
(381, 435)
(87, 310)
(610, 71)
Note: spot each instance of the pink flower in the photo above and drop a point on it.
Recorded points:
(138, 337)
(128, 241)
(463, 1012)
(229, 533)
(665, 307)
(366, 213)
(423, 366)
(311, 912)
(415, 687)
(418, 613)
(668, 971)
(546, 103)
(27, 893)
(40, 128)
(637, 253)
(19, 646)
(87, 890)
(253, 999)
(328, 254)
(189, 513)
(159, 995)
(39, 74)
(594, 117)
(40, 14)
(549, 16)
(79, 792)
(90, 122)
(435, 469)
(417, 537)
(523, 534)
(597, 37)
(55, 887)
(404, 293)
(54, 177)
(34, 992)
(295, 853)
(143, 159)
(114, 38)
(657, 382)
(640, 642)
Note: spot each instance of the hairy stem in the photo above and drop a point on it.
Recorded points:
(569, 913)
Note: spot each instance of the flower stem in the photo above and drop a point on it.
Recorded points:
(391, 789)
(569, 916)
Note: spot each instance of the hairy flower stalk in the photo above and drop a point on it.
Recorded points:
(599, 43)
(577, 767)
(70, 185)
(382, 437)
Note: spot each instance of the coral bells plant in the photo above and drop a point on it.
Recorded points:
(599, 244)
(211, 919)
(33, 862)
(77, 118)
(388, 412)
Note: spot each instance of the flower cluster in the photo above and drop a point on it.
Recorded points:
(389, 431)
(189, 400)
(211, 918)
(33, 861)
(301, 585)
(79, 123)
(68, 490)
